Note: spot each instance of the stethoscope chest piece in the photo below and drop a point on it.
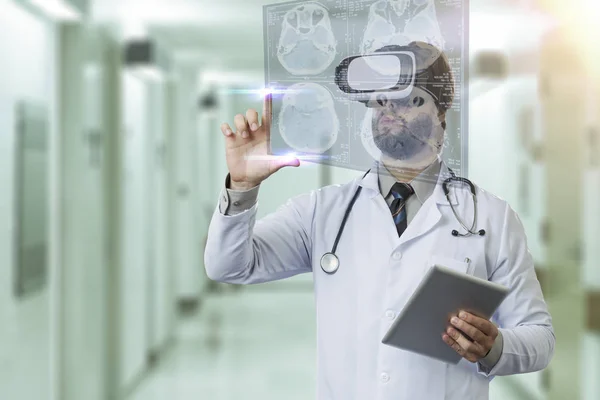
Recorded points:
(330, 263)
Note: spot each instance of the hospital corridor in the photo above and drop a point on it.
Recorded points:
(117, 191)
(208, 342)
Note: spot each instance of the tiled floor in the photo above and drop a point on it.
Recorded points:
(256, 343)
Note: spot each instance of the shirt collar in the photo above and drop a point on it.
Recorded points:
(371, 182)
(423, 184)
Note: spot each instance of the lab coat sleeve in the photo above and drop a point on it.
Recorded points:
(241, 250)
(523, 317)
(233, 202)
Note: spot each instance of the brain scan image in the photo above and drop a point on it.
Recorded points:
(307, 45)
(308, 121)
(401, 22)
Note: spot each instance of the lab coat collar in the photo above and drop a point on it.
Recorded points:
(370, 182)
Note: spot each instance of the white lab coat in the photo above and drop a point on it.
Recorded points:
(378, 273)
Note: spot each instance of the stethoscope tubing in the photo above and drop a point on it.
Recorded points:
(470, 231)
(346, 215)
(445, 184)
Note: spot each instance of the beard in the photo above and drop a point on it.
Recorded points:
(404, 138)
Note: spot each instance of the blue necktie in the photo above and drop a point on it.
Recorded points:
(401, 193)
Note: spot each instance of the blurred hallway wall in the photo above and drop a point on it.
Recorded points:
(161, 287)
(135, 224)
(88, 292)
(27, 70)
(187, 240)
(117, 293)
(152, 253)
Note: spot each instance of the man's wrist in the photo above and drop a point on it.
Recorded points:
(492, 357)
(241, 186)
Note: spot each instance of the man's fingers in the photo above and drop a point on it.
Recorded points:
(278, 162)
(482, 324)
(252, 118)
(452, 343)
(241, 125)
(466, 345)
(456, 347)
(267, 110)
(226, 129)
(470, 330)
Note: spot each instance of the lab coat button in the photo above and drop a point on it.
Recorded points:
(390, 314)
(397, 255)
(385, 377)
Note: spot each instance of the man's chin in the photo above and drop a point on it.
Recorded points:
(408, 160)
(399, 156)
(399, 153)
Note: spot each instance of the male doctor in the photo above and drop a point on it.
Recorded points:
(400, 225)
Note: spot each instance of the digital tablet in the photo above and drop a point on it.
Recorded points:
(442, 293)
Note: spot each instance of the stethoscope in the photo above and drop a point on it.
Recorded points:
(330, 262)
(470, 231)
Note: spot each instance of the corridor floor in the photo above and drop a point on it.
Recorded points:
(254, 343)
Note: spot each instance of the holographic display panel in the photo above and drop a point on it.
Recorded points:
(305, 42)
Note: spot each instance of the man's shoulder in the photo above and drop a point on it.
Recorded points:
(486, 195)
(340, 189)
(492, 200)
(329, 193)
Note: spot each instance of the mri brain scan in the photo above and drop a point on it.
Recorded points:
(307, 45)
(400, 22)
(308, 121)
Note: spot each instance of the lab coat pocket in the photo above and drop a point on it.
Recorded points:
(452, 263)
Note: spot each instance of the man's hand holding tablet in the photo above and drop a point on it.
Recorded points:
(452, 302)
(482, 332)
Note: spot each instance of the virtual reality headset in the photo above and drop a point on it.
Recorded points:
(392, 75)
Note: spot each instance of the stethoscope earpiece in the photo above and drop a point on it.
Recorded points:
(454, 232)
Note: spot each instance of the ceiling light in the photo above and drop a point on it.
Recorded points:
(59, 10)
(147, 72)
